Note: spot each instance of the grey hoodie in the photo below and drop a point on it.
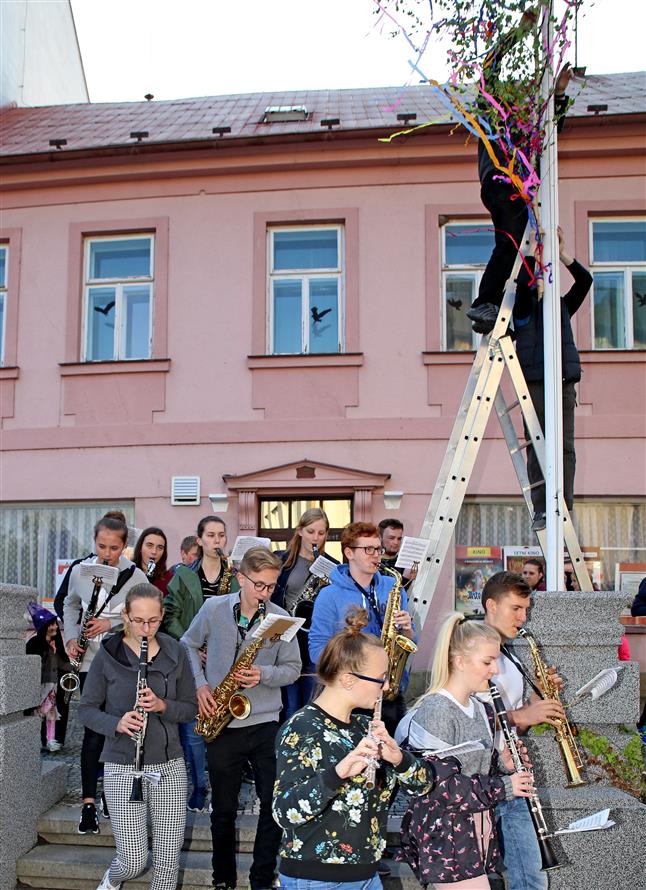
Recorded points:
(279, 663)
(110, 690)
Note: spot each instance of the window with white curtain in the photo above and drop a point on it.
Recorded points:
(33, 536)
(617, 528)
(118, 298)
(306, 278)
(465, 249)
(618, 252)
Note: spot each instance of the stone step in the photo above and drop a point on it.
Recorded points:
(53, 784)
(68, 867)
(59, 826)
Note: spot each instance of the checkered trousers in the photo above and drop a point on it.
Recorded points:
(166, 804)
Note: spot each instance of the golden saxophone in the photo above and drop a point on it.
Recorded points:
(304, 604)
(563, 732)
(230, 704)
(398, 647)
(227, 574)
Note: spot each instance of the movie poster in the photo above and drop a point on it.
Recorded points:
(514, 557)
(473, 567)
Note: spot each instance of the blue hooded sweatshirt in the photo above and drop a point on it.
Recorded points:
(333, 602)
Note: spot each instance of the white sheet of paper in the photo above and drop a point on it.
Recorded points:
(412, 550)
(600, 684)
(108, 574)
(463, 748)
(244, 543)
(595, 822)
(322, 566)
(268, 622)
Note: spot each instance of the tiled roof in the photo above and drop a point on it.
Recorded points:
(25, 131)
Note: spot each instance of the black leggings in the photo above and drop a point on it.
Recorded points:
(90, 754)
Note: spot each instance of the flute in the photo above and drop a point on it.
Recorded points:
(371, 768)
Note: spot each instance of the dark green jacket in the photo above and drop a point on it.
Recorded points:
(185, 599)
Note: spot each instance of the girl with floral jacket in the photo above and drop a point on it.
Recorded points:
(448, 835)
(334, 823)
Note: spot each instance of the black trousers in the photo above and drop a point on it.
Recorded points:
(227, 756)
(509, 217)
(537, 392)
(91, 748)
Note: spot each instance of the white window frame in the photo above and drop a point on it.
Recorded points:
(118, 284)
(627, 268)
(477, 269)
(4, 293)
(305, 275)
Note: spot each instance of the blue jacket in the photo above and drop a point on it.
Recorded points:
(333, 602)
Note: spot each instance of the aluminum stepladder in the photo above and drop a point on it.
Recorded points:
(482, 392)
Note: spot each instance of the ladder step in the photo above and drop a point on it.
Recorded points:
(521, 447)
(533, 485)
(510, 408)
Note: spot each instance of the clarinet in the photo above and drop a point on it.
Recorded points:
(548, 857)
(139, 737)
(151, 565)
(371, 768)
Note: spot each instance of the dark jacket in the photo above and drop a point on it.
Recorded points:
(439, 837)
(639, 603)
(528, 325)
(61, 593)
(111, 689)
(185, 599)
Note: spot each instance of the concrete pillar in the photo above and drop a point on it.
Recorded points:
(20, 763)
(579, 633)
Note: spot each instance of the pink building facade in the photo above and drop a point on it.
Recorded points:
(214, 250)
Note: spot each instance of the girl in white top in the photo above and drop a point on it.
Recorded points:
(110, 539)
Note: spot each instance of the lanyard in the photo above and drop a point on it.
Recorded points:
(369, 600)
(521, 667)
(242, 630)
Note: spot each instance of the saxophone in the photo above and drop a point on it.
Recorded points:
(70, 682)
(227, 574)
(563, 732)
(398, 647)
(230, 704)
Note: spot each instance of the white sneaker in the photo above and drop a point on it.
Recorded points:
(106, 884)
(53, 746)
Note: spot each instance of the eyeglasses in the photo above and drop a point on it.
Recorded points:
(381, 680)
(260, 586)
(370, 550)
(139, 622)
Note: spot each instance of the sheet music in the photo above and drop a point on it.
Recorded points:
(600, 684)
(462, 748)
(108, 574)
(244, 543)
(322, 566)
(595, 822)
(274, 624)
(412, 550)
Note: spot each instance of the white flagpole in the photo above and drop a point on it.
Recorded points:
(552, 331)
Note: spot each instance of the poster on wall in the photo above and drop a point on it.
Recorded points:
(628, 577)
(473, 566)
(514, 557)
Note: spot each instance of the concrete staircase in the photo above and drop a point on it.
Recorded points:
(66, 860)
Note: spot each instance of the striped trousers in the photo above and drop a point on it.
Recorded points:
(166, 804)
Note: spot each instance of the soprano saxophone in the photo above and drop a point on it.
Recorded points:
(563, 732)
(230, 704)
(398, 647)
(227, 574)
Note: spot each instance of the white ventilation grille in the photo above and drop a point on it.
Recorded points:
(185, 490)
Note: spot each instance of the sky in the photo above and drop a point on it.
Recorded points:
(215, 47)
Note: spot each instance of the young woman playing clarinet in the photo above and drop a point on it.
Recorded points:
(117, 704)
(448, 836)
(110, 539)
(307, 543)
(336, 770)
(150, 553)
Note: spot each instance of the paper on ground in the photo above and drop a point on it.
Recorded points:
(595, 822)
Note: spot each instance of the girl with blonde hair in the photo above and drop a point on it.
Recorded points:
(448, 835)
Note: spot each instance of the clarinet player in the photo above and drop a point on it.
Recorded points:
(116, 704)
